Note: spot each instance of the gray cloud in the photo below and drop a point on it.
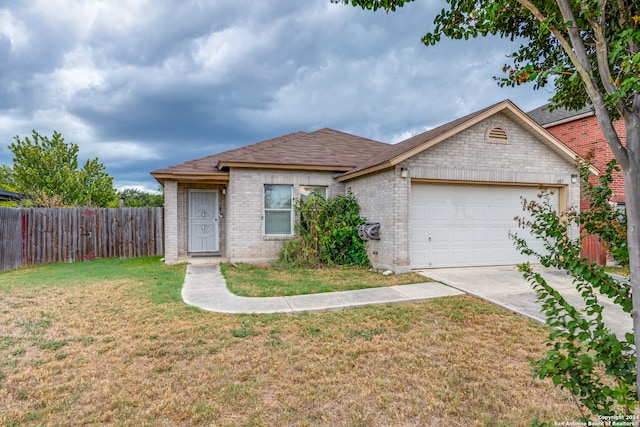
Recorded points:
(145, 84)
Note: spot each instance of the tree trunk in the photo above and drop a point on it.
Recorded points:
(632, 199)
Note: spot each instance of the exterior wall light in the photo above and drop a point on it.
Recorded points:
(224, 191)
(404, 172)
(574, 178)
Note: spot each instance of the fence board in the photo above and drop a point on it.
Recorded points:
(10, 238)
(43, 235)
(593, 249)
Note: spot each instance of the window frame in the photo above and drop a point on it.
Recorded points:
(305, 196)
(271, 209)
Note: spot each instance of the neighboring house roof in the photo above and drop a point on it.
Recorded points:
(414, 145)
(324, 149)
(11, 196)
(547, 117)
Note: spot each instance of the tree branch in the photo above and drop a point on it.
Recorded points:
(582, 63)
(602, 52)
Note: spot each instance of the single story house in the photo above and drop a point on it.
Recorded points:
(443, 198)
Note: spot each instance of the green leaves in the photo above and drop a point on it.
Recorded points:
(388, 5)
(48, 170)
(602, 218)
(327, 232)
(134, 198)
(539, 27)
(586, 358)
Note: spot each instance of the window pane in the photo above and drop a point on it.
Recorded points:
(306, 190)
(277, 197)
(277, 222)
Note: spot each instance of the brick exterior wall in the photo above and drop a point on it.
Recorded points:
(585, 138)
(466, 157)
(245, 236)
(384, 198)
(171, 222)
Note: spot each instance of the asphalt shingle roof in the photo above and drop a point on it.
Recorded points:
(544, 115)
(324, 148)
(328, 149)
(408, 144)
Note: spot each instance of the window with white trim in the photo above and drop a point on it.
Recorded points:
(278, 218)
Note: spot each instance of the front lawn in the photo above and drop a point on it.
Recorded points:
(109, 342)
(615, 269)
(269, 280)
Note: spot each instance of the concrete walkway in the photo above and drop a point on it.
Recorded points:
(505, 286)
(205, 287)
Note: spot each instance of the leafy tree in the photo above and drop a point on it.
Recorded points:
(6, 178)
(589, 51)
(585, 357)
(134, 198)
(48, 170)
(7, 183)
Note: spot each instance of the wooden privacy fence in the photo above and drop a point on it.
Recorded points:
(75, 234)
(10, 238)
(593, 249)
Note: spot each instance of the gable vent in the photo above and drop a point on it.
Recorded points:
(498, 134)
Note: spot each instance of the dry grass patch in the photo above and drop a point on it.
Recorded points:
(268, 280)
(107, 354)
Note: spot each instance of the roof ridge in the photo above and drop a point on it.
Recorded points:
(322, 148)
(349, 134)
(251, 148)
(227, 152)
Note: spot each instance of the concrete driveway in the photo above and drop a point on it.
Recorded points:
(506, 287)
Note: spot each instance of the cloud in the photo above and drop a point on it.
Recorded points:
(143, 84)
(13, 31)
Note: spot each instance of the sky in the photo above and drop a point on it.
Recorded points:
(144, 84)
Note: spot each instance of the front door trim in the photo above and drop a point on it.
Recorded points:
(203, 229)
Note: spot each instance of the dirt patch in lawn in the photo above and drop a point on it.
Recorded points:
(107, 354)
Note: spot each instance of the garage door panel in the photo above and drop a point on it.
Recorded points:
(467, 225)
(439, 213)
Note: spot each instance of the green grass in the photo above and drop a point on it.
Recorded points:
(270, 280)
(614, 269)
(164, 282)
(109, 342)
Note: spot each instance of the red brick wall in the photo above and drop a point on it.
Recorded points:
(584, 136)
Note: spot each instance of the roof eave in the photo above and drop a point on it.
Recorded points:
(568, 120)
(508, 105)
(425, 145)
(222, 178)
(11, 196)
(225, 165)
(374, 169)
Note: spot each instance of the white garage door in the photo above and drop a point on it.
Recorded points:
(454, 225)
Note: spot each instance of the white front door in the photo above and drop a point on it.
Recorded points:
(203, 221)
